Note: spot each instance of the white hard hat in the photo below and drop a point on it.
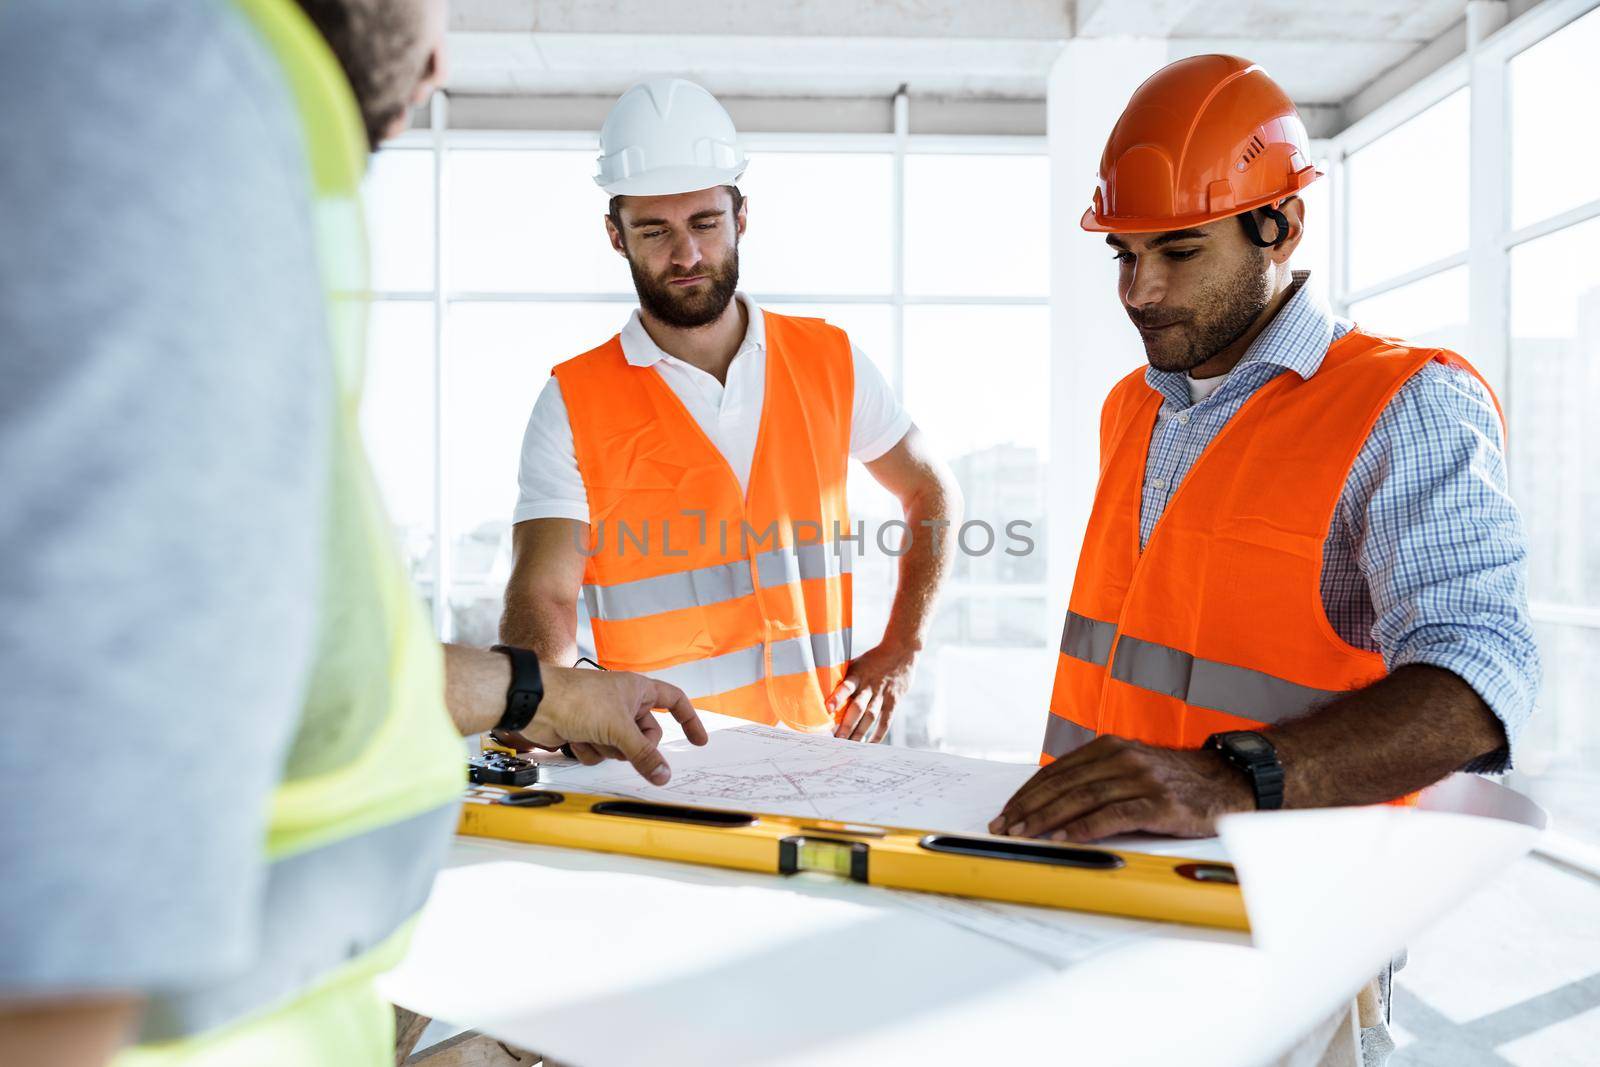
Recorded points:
(664, 136)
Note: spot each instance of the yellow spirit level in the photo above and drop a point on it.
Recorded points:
(1133, 884)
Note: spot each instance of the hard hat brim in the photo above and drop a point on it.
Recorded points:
(1095, 222)
(670, 180)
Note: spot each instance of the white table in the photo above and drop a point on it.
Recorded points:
(604, 960)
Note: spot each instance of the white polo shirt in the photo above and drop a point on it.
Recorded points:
(550, 486)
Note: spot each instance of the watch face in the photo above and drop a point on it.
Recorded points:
(1248, 745)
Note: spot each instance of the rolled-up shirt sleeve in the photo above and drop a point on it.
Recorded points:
(163, 447)
(1443, 548)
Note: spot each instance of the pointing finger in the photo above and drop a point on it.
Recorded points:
(676, 702)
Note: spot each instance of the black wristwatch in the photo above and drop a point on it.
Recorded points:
(525, 691)
(1253, 754)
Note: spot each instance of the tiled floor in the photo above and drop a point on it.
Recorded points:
(1512, 977)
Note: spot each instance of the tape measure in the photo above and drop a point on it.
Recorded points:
(1020, 871)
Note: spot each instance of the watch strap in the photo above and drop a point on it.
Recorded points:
(526, 689)
(1266, 777)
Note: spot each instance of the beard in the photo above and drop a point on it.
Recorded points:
(1221, 315)
(688, 309)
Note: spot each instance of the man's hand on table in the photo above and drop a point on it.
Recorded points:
(609, 715)
(864, 702)
(1113, 786)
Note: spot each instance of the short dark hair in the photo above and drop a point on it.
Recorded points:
(614, 209)
(377, 43)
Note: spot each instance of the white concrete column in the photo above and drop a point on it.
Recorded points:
(1092, 343)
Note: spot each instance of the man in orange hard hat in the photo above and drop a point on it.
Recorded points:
(1303, 581)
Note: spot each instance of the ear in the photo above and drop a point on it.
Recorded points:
(436, 68)
(618, 243)
(1294, 210)
(435, 72)
(742, 216)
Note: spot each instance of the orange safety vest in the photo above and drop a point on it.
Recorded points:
(741, 600)
(1218, 624)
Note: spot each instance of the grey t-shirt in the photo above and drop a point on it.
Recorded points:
(164, 403)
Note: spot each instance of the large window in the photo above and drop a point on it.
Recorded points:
(1553, 361)
(1426, 262)
(1408, 195)
(399, 414)
(1555, 157)
(1555, 451)
(950, 305)
(1399, 221)
(1429, 311)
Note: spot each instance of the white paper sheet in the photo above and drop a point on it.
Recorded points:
(1347, 887)
(1057, 938)
(782, 772)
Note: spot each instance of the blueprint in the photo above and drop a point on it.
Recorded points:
(783, 772)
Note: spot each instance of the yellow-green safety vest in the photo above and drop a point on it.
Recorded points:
(369, 794)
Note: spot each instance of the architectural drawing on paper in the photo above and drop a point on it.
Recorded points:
(833, 781)
(781, 772)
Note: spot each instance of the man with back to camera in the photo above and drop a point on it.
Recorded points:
(724, 432)
(197, 573)
(1303, 581)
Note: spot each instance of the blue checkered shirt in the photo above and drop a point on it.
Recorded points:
(1426, 560)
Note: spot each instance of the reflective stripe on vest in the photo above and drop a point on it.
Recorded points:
(1217, 622)
(1062, 736)
(1203, 683)
(749, 610)
(747, 666)
(373, 777)
(1088, 639)
(320, 909)
(1207, 684)
(717, 583)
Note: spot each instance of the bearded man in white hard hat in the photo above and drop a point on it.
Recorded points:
(687, 476)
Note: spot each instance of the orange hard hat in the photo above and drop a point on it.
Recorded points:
(1203, 138)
